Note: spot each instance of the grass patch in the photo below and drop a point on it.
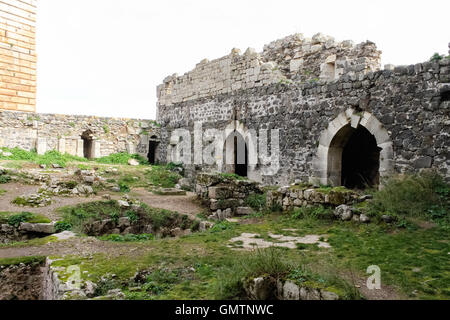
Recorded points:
(313, 212)
(231, 176)
(6, 262)
(423, 195)
(354, 248)
(256, 201)
(15, 219)
(49, 158)
(81, 217)
(122, 158)
(160, 176)
(37, 242)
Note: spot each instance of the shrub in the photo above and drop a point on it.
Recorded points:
(269, 262)
(114, 216)
(421, 195)
(436, 57)
(256, 201)
(61, 226)
(195, 226)
(221, 226)
(81, 215)
(133, 216)
(124, 187)
(17, 219)
(5, 179)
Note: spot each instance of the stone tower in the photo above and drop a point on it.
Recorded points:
(18, 55)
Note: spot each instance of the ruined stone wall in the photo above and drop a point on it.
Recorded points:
(45, 132)
(406, 109)
(294, 58)
(18, 55)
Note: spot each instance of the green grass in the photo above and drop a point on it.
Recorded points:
(160, 176)
(121, 158)
(14, 219)
(313, 212)
(30, 243)
(231, 176)
(424, 195)
(398, 254)
(3, 192)
(49, 158)
(81, 216)
(256, 201)
(25, 260)
(354, 247)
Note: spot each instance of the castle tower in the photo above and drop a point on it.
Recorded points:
(18, 55)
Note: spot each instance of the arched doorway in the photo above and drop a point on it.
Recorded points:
(360, 157)
(236, 154)
(152, 149)
(88, 144)
(354, 151)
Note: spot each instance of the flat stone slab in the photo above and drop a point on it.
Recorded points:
(253, 241)
(65, 235)
(46, 228)
(171, 192)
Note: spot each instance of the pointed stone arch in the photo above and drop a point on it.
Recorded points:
(327, 164)
(236, 131)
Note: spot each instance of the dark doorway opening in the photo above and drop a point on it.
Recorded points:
(88, 139)
(240, 156)
(152, 149)
(360, 160)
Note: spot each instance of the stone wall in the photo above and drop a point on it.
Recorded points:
(225, 196)
(18, 55)
(292, 58)
(294, 197)
(45, 132)
(405, 109)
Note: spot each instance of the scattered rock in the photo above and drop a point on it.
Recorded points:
(123, 204)
(244, 211)
(263, 288)
(344, 212)
(388, 219)
(364, 219)
(65, 235)
(133, 162)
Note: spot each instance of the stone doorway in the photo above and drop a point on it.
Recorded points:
(360, 160)
(236, 154)
(354, 151)
(88, 144)
(153, 149)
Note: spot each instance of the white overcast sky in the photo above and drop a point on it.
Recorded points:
(106, 57)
